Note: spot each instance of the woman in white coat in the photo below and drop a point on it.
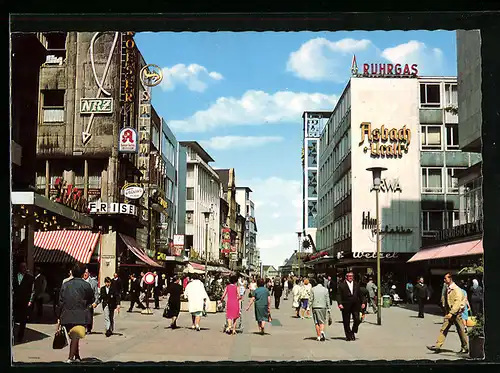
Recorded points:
(197, 297)
(296, 290)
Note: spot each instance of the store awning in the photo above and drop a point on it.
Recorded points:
(65, 246)
(447, 251)
(138, 251)
(190, 269)
(200, 267)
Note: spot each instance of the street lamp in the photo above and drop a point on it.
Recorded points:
(376, 174)
(299, 234)
(207, 219)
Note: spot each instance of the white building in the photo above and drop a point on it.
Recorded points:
(403, 124)
(314, 122)
(203, 193)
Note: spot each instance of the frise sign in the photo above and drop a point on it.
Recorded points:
(399, 139)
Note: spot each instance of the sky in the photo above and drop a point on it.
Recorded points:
(241, 95)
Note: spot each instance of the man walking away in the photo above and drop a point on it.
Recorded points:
(22, 298)
(365, 296)
(454, 305)
(285, 287)
(409, 292)
(476, 298)
(135, 291)
(422, 294)
(277, 290)
(93, 284)
(116, 284)
(39, 288)
(320, 301)
(332, 289)
(110, 299)
(157, 290)
(350, 302)
(372, 294)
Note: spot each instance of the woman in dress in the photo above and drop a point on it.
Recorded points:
(174, 292)
(262, 300)
(232, 304)
(465, 313)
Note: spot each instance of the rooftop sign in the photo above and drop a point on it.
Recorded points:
(384, 70)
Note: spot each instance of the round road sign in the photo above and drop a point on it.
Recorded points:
(149, 278)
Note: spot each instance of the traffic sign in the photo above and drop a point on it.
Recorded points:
(149, 278)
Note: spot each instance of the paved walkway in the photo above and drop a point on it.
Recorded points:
(402, 336)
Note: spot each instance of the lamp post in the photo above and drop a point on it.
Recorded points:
(299, 234)
(376, 174)
(207, 219)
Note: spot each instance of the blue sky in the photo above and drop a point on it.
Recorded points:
(241, 95)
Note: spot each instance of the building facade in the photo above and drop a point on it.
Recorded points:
(313, 124)
(247, 210)
(203, 193)
(410, 131)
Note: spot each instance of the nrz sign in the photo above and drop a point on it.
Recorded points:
(96, 105)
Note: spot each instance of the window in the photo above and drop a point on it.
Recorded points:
(430, 95)
(190, 194)
(452, 219)
(432, 180)
(432, 221)
(451, 136)
(431, 137)
(189, 216)
(452, 181)
(450, 95)
(53, 106)
(56, 44)
(473, 201)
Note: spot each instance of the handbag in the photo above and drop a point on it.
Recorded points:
(60, 340)
(330, 321)
(165, 312)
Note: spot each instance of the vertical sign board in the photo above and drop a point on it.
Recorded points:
(178, 244)
(128, 79)
(144, 133)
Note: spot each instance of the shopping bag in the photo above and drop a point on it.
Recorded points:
(60, 340)
(471, 321)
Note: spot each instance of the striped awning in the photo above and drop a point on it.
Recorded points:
(65, 246)
(138, 251)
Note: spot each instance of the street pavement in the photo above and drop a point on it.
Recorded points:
(402, 336)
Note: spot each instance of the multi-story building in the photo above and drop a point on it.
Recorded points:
(313, 124)
(247, 210)
(455, 239)
(411, 131)
(203, 193)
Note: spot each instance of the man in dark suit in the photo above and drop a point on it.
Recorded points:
(158, 286)
(22, 285)
(39, 288)
(422, 294)
(116, 284)
(350, 302)
(110, 300)
(277, 291)
(135, 291)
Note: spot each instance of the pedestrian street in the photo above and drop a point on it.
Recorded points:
(403, 336)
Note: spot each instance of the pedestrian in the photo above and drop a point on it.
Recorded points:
(277, 291)
(422, 294)
(372, 294)
(285, 288)
(454, 305)
(174, 292)
(135, 291)
(290, 283)
(320, 303)
(365, 296)
(466, 311)
(350, 302)
(296, 297)
(39, 292)
(197, 297)
(476, 298)
(305, 294)
(262, 302)
(75, 301)
(185, 281)
(116, 284)
(409, 292)
(233, 309)
(157, 290)
(70, 276)
(332, 289)
(252, 287)
(22, 299)
(110, 299)
(95, 288)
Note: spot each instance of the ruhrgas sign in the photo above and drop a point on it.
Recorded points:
(386, 70)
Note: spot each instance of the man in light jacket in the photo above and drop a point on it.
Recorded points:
(372, 295)
(197, 297)
(320, 303)
(93, 284)
(454, 306)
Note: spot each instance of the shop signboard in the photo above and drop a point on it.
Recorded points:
(112, 208)
(385, 142)
(128, 141)
(69, 196)
(178, 244)
(133, 191)
(96, 105)
(384, 70)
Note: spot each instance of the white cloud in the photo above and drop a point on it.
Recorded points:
(254, 108)
(239, 142)
(320, 59)
(430, 60)
(276, 235)
(194, 76)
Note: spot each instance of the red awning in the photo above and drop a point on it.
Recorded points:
(201, 267)
(138, 251)
(447, 251)
(65, 246)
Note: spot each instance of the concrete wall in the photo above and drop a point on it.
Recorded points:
(469, 87)
(398, 106)
(107, 265)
